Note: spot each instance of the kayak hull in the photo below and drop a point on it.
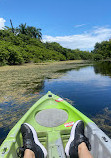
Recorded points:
(52, 117)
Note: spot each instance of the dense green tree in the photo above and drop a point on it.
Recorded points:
(103, 48)
(22, 29)
(97, 57)
(23, 45)
(33, 32)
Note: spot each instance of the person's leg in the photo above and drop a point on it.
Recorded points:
(83, 151)
(32, 148)
(75, 147)
(29, 154)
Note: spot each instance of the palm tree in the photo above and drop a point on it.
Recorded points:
(12, 29)
(38, 33)
(34, 32)
(22, 29)
(31, 31)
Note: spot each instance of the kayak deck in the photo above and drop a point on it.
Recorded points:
(52, 118)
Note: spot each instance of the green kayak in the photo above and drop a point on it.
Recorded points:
(52, 117)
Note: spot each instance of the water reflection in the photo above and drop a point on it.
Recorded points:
(103, 68)
(77, 69)
(90, 91)
(85, 76)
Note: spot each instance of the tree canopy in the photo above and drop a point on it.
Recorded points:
(23, 44)
(103, 49)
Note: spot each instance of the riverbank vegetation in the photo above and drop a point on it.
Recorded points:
(18, 82)
(103, 120)
(24, 45)
(103, 49)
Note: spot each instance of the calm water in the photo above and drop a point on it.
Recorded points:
(87, 88)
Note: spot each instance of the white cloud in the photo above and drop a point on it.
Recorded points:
(84, 41)
(2, 22)
(79, 25)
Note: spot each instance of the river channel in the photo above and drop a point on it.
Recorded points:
(88, 88)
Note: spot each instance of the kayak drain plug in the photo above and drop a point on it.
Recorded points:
(104, 138)
(49, 95)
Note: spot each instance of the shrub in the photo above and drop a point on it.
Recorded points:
(97, 57)
(15, 57)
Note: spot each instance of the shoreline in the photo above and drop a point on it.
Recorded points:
(17, 82)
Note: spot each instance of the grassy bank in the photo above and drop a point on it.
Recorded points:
(18, 82)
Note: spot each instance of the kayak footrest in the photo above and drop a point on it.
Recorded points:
(55, 145)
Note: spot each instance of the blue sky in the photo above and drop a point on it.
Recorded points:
(73, 24)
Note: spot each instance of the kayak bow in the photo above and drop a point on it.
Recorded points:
(52, 117)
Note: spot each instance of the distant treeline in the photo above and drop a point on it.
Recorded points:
(24, 45)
